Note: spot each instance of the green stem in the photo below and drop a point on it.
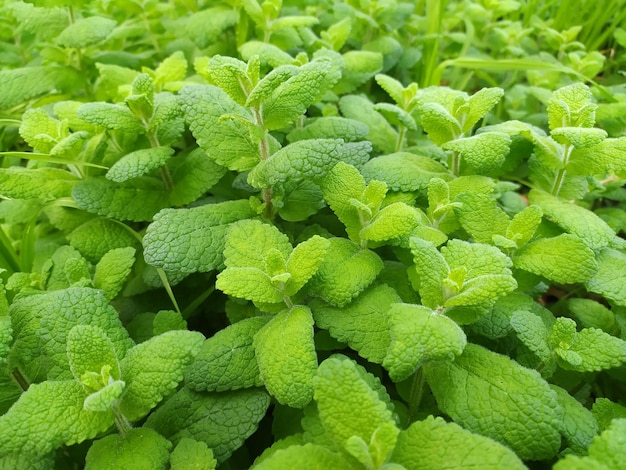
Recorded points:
(197, 301)
(121, 422)
(455, 163)
(264, 151)
(8, 257)
(20, 379)
(399, 142)
(560, 176)
(415, 396)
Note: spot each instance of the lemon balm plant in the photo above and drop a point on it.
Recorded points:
(329, 234)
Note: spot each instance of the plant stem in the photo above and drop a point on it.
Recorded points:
(399, 142)
(560, 176)
(415, 396)
(121, 422)
(20, 379)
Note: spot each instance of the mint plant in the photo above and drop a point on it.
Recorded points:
(342, 234)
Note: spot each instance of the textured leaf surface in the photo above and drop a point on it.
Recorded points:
(190, 240)
(86, 32)
(347, 403)
(610, 279)
(363, 324)
(404, 171)
(113, 269)
(286, 356)
(305, 457)
(330, 127)
(154, 368)
(420, 335)
(226, 361)
(579, 425)
(48, 415)
(139, 163)
(98, 236)
(190, 454)
(43, 183)
(89, 349)
(494, 396)
(483, 152)
(433, 444)
(193, 177)
(111, 117)
(221, 420)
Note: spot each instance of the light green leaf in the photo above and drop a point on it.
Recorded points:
(286, 356)
(227, 141)
(404, 171)
(105, 398)
(248, 243)
(41, 324)
(565, 259)
(97, 236)
(348, 400)
(421, 447)
(48, 415)
(168, 320)
(190, 240)
(41, 131)
(480, 103)
(431, 269)
(396, 115)
(139, 163)
(230, 75)
(533, 333)
(305, 457)
(136, 200)
(592, 314)
(381, 134)
(607, 452)
(358, 67)
(90, 350)
(190, 454)
(494, 396)
(605, 281)
(346, 271)
(330, 127)
(579, 137)
(223, 421)
(140, 449)
(587, 350)
(172, 69)
(269, 54)
(605, 411)
(39, 183)
(86, 32)
(393, 221)
(483, 152)
(575, 219)
(440, 125)
(392, 86)
(419, 335)
(205, 27)
(193, 175)
(579, 425)
(304, 262)
(111, 117)
(480, 216)
(22, 84)
(113, 269)
(571, 106)
(306, 159)
(523, 225)
(226, 361)
(249, 283)
(363, 324)
(154, 368)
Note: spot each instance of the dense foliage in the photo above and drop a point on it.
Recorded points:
(327, 234)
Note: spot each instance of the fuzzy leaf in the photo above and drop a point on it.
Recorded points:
(223, 421)
(480, 103)
(433, 444)
(381, 134)
(305, 457)
(532, 331)
(481, 217)
(579, 425)
(111, 117)
(226, 361)
(571, 106)
(347, 403)
(140, 449)
(404, 171)
(39, 183)
(330, 127)
(89, 350)
(306, 159)
(565, 259)
(420, 335)
(98, 236)
(286, 356)
(190, 454)
(494, 396)
(432, 269)
(345, 272)
(194, 176)
(483, 152)
(523, 225)
(606, 281)
(363, 324)
(190, 240)
(113, 269)
(86, 32)
(154, 368)
(139, 163)
(304, 262)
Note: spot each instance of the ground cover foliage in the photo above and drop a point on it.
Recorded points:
(293, 234)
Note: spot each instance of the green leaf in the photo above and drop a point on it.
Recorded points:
(48, 415)
(305, 457)
(494, 396)
(226, 361)
(286, 356)
(154, 368)
(396, 115)
(345, 272)
(98, 236)
(223, 421)
(607, 451)
(86, 32)
(575, 219)
(306, 159)
(565, 259)
(420, 447)
(140, 448)
(39, 183)
(440, 125)
(41, 324)
(579, 425)
(363, 324)
(139, 163)
(592, 314)
(480, 216)
(404, 171)
(137, 200)
(480, 103)
(381, 134)
(105, 398)
(292, 97)
(523, 225)
(393, 87)
(579, 137)
(190, 454)
(571, 106)
(604, 281)
(22, 84)
(113, 269)
(190, 240)
(432, 269)
(193, 176)
(111, 117)
(484, 152)
(227, 141)
(587, 350)
(269, 54)
(533, 333)
(90, 350)
(205, 27)
(330, 127)
(419, 335)
(358, 68)
(41, 131)
(304, 262)
(348, 400)
(605, 411)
